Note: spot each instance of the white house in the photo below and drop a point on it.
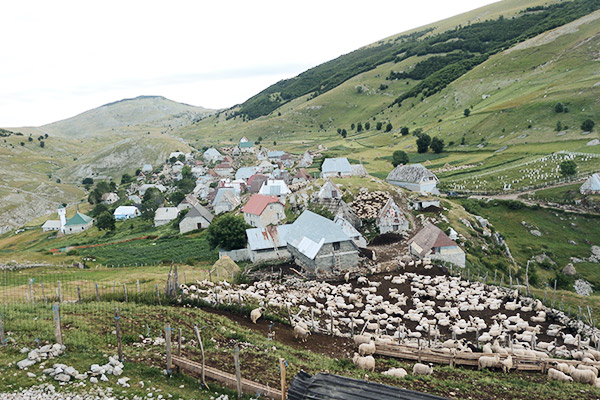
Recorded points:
(126, 212)
(275, 187)
(212, 155)
(336, 168)
(79, 223)
(197, 218)
(110, 198)
(164, 215)
(265, 167)
(414, 177)
(261, 211)
(329, 191)
(51, 225)
(432, 243)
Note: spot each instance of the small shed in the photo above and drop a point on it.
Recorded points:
(164, 215)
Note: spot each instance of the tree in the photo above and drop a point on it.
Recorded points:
(105, 221)
(568, 168)
(367, 126)
(177, 197)
(379, 125)
(559, 107)
(42, 144)
(186, 172)
(87, 181)
(227, 232)
(99, 209)
(30, 139)
(138, 172)
(22, 143)
(186, 185)
(558, 126)
(437, 145)
(172, 160)
(126, 178)
(423, 143)
(153, 198)
(181, 158)
(467, 112)
(587, 125)
(274, 143)
(344, 133)
(399, 157)
(404, 130)
(352, 126)
(388, 127)
(359, 127)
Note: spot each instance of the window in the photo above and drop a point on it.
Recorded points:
(336, 245)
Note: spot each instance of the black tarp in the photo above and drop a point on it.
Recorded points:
(335, 387)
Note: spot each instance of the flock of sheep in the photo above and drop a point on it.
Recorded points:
(439, 311)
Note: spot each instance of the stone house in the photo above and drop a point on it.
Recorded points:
(110, 198)
(351, 231)
(320, 246)
(329, 191)
(265, 167)
(225, 200)
(197, 218)
(246, 172)
(275, 155)
(414, 177)
(224, 169)
(78, 223)
(164, 215)
(431, 242)
(287, 160)
(336, 168)
(301, 176)
(261, 211)
(306, 160)
(255, 182)
(391, 218)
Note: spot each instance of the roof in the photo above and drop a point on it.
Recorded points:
(255, 183)
(336, 165)
(198, 210)
(316, 228)
(79, 219)
(51, 224)
(429, 237)
(275, 153)
(147, 167)
(125, 210)
(335, 387)
(413, 173)
(258, 202)
(287, 156)
(267, 238)
(246, 144)
(223, 166)
(591, 184)
(347, 227)
(212, 152)
(166, 213)
(327, 189)
(302, 174)
(358, 170)
(246, 172)
(226, 194)
(390, 211)
(274, 187)
(265, 163)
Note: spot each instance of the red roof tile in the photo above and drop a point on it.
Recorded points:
(257, 204)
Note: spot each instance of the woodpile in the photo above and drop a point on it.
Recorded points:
(369, 204)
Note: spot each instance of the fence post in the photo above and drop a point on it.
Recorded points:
(158, 295)
(238, 373)
(57, 326)
(125, 293)
(44, 294)
(2, 336)
(97, 294)
(168, 342)
(138, 286)
(31, 291)
(60, 298)
(283, 384)
(554, 294)
(118, 330)
(199, 339)
(78, 294)
(179, 342)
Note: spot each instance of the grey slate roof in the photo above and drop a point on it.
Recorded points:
(412, 173)
(336, 165)
(316, 228)
(592, 184)
(198, 210)
(246, 172)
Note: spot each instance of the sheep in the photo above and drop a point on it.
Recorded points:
(360, 339)
(562, 367)
(558, 375)
(256, 314)
(422, 369)
(588, 367)
(507, 364)
(300, 332)
(488, 362)
(582, 375)
(367, 362)
(396, 372)
(366, 349)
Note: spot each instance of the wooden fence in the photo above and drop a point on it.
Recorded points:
(438, 356)
(225, 378)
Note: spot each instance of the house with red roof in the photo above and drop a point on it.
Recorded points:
(262, 211)
(431, 242)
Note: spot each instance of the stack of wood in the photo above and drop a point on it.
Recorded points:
(369, 204)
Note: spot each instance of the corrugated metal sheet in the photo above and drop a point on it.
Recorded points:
(316, 227)
(267, 238)
(335, 387)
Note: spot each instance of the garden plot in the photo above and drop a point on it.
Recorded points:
(425, 305)
(527, 175)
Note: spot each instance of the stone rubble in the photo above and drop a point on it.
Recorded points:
(43, 353)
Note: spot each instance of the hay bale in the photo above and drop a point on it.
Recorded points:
(569, 269)
(226, 266)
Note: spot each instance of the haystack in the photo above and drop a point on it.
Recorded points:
(569, 269)
(226, 266)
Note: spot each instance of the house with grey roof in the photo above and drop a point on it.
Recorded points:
(306, 160)
(320, 246)
(51, 225)
(275, 155)
(430, 242)
(164, 215)
(246, 172)
(336, 168)
(391, 218)
(147, 168)
(225, 200)
(350, 231)
(78, 223)
(275, 187)
(268, 243)
(197, 218)
(212, 155)
(591, 185)
(414, 177)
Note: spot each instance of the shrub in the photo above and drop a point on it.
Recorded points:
(587, 125)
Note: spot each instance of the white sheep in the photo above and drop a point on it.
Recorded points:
(507, 364)
(300, 332)
(588, 367)
(488, 362)
(562, 367)
(422, 369)
(366, 349)
(396, 372)
(367, 362)
(558, 375)
(256, 314)
(360, 339)
(582, 375)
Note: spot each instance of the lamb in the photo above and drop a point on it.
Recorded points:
(507, 364)
(366, 349)
(558, 375)
(367, 362)
(396, 372)
(488, 362)
(300, 332)
(422, 369)
(582, 375)
(256, 314)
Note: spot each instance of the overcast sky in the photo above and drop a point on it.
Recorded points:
(60, 58)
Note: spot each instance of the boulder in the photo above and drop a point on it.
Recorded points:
(25, 363)
(62, 378)
(535, 232)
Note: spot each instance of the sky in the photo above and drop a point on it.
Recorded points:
(60, 58)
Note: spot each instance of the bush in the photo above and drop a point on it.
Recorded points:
(467, 112)
(437, 145)
(227, 232)
(587, 125)
(568, 168)
(559, 107)
(399, 157)
(423, 143)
